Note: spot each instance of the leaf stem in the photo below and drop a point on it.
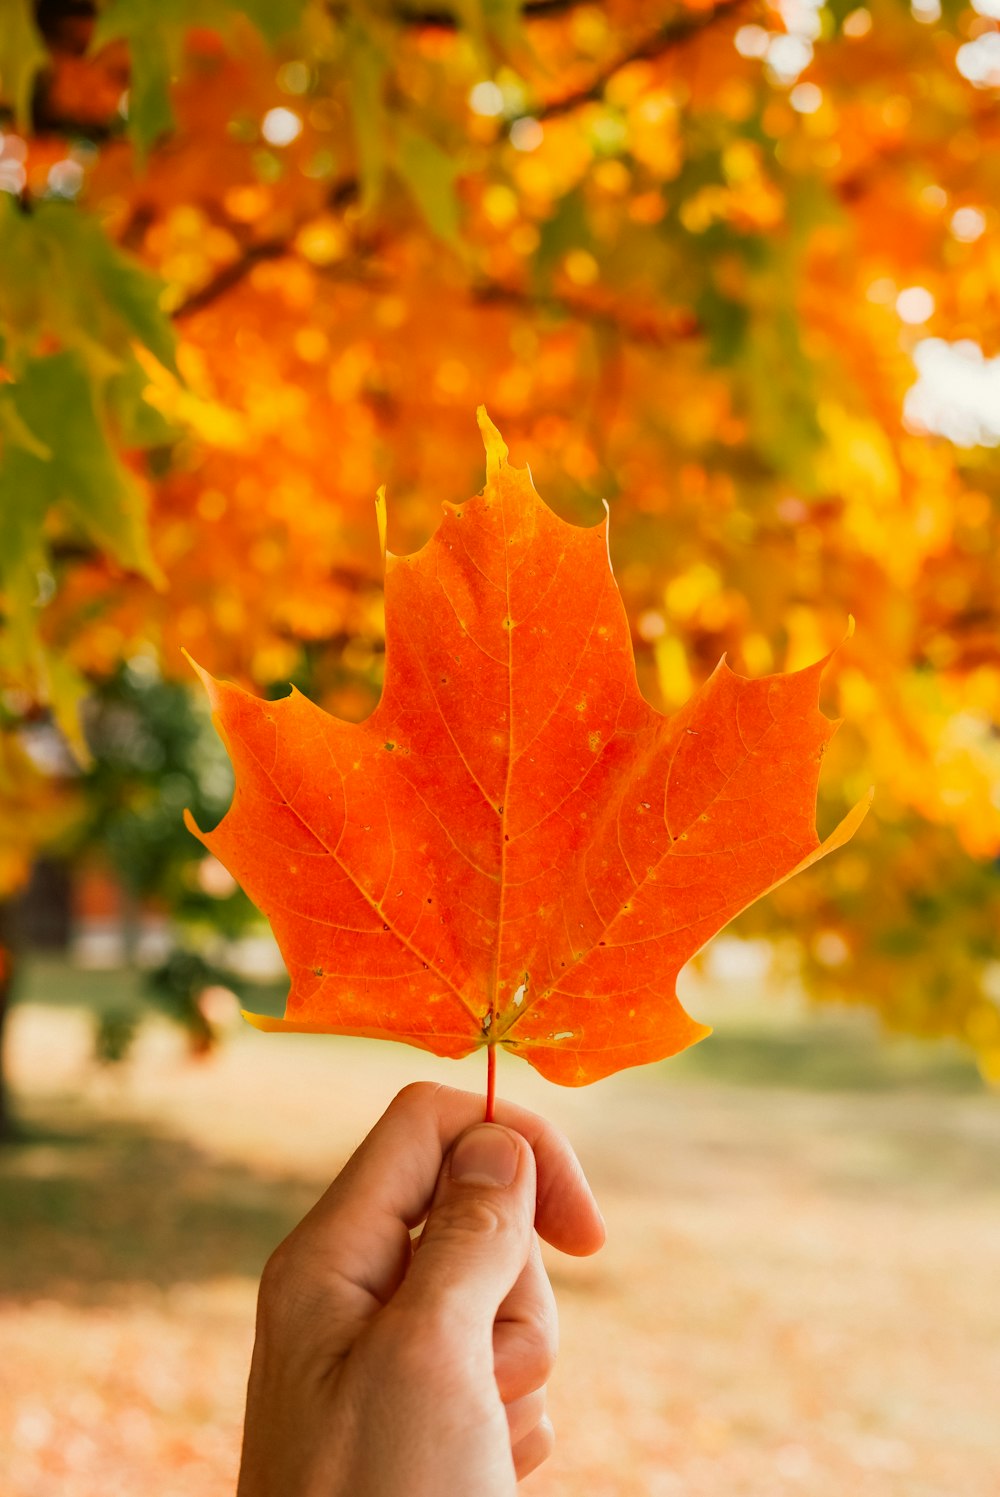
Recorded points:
(491, 1080)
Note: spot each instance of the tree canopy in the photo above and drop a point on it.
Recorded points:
(732, 267)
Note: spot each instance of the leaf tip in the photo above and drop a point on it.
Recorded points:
(605, 525)
(381, 519)
(496, 447)
(193, 826)
(259, 1021)
(207, 680)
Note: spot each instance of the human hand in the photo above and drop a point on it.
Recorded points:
(380, 1371)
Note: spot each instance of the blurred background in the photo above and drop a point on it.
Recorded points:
(734, 268)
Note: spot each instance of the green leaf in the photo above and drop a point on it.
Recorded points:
(22, 56)
(25, 283)
(48, 676)
(153, 61)
(502, 19)
(15, 430)
(129, 293)
(64, 278)
(499, 20)
(23, 552)
(136, 423)
(155, 31)
(429, 173)
(272, 18)
(64, 689)
(366, 67)
(83, 477)
(726, 322)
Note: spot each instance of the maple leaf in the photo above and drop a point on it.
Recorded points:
(515, 848)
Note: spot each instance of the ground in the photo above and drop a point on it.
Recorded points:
(798, 1294)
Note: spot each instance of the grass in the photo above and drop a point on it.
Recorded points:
(823, 1054)
(53, 982)
(758, 1043)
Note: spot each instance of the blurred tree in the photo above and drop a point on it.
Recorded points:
(733, 266)
(153, 752)
(37, 809)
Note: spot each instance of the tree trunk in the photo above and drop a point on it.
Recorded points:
(7, 1128)
(130, 924)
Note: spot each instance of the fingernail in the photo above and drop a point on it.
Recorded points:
(486, 1155)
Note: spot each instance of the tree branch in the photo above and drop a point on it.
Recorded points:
(231, 275)
(254, 254)
(649, 330)
(671, 34)
(435, 18)
(646, 329)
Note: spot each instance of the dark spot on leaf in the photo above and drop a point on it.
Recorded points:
(390, 747)
(385, 927)
(317, 971)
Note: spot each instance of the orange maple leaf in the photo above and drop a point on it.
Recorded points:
(514, 848)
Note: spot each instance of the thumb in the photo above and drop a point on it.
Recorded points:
(480, 1228)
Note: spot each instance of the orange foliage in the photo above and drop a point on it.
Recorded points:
(676, 248)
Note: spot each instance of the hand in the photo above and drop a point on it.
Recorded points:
(384, 1371)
